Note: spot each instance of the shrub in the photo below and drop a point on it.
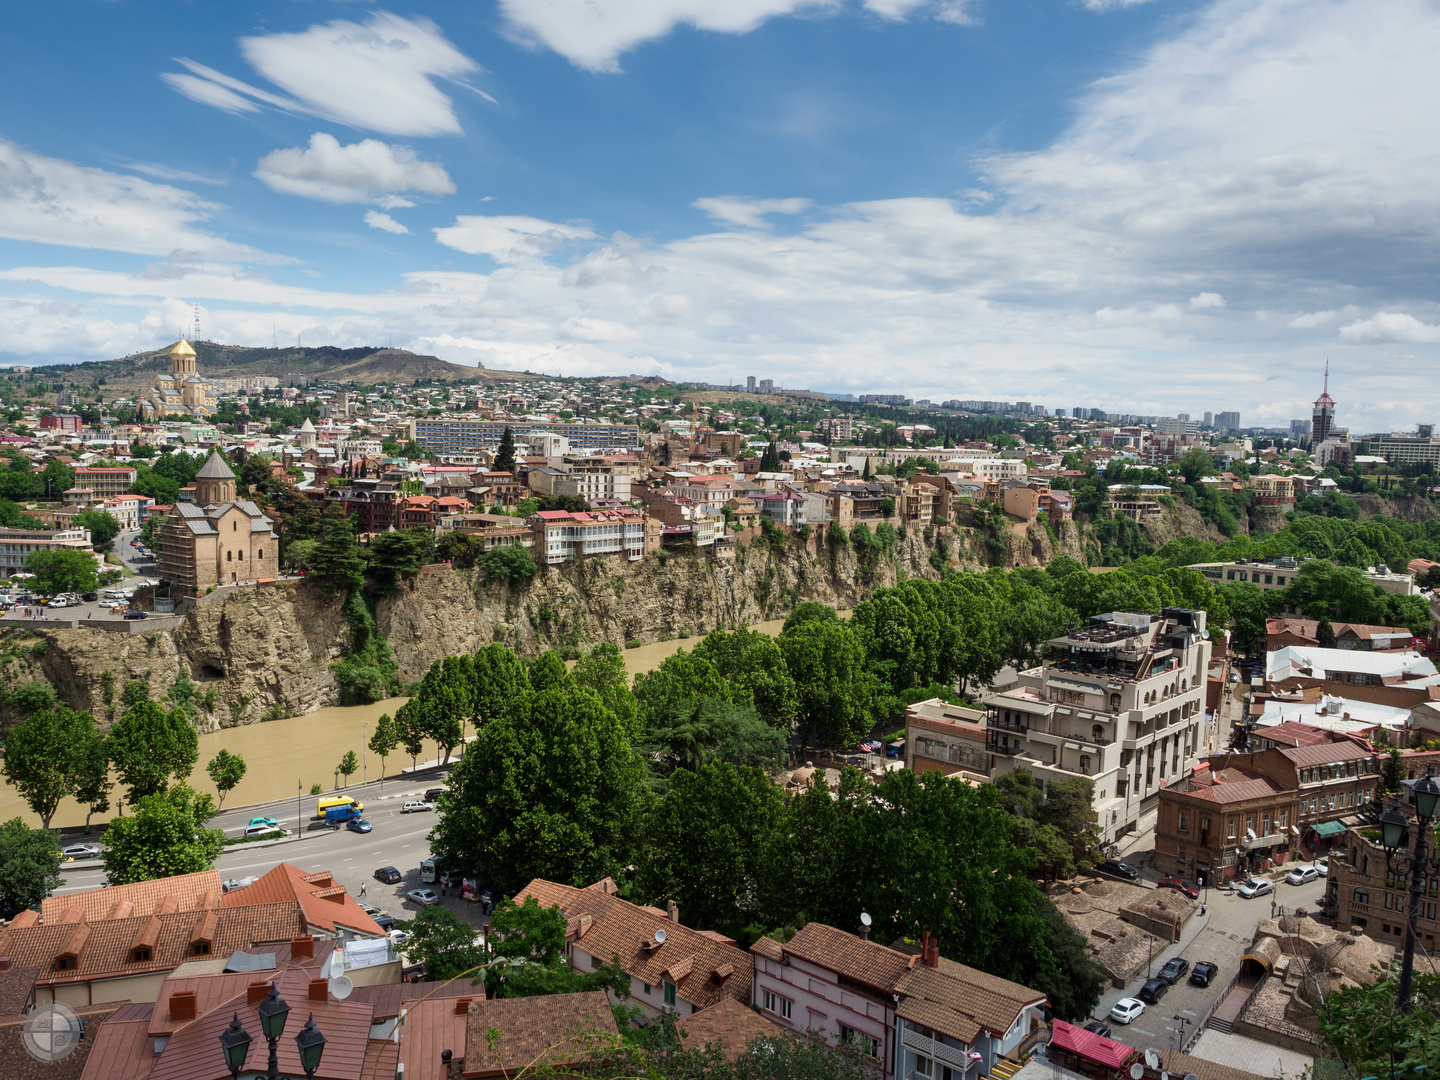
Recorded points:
(512, 563)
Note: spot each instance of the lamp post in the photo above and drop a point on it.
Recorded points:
(235, 1040)
(1416, 865)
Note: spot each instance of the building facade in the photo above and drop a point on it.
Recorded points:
(940, 737)
(217, 539)
(1364, 896)
(456, 436)
(1120, 701)
(17, 545)
(1223, 824)
(183, 391)
(561, 535)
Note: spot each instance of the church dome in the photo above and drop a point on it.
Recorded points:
(182, 348)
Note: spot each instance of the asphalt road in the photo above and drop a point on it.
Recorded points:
(398, 840)
(1222, 936)
(145, 568)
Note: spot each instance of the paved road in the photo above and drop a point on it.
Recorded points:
(1222, 937)
(398, 840)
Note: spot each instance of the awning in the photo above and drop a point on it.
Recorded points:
(1328, 828)
(1274, 840)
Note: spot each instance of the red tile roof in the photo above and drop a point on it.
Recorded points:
(504, 1035)
(186, 891)
(1090, 1046)
(962, 1001)
(325, 904)
(120, 1048)
(866, 962)
(728, 1023)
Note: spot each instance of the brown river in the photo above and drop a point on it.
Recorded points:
(304, 750)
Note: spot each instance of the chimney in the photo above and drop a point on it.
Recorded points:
(925, 946)
(302, 946)
(4, 963)
(256, 992)
(672, 911)
(319, 990)
(864, 932)
(462, 1006)
(932, 953)
(182, 1005)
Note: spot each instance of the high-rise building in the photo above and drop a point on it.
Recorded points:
(1185, 416)
(1322, 419)
(766, 386)
(750, 384)
(1228, 421)
(1299, 430)
(1078, 413)
(1209, 420)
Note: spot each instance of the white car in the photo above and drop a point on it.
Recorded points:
(423, 897)
(1302, 875)
(1127, 1009)
(398, 937)
(413, 807)
(1256, 887)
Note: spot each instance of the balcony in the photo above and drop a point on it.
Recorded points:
(936, 1050)
(1009, 748)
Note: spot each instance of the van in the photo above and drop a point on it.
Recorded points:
(412, 807)
(337, 800)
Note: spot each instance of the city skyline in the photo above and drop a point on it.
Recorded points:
(1151, 204)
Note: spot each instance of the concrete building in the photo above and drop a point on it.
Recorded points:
(104, 481)
(1364, 896)
(17, 545)
(940, 737)
(183, 391)
(217, 539)
(1407, 448)
(1120, 701)
(561, 535)
(1139, 502)
(455, 436)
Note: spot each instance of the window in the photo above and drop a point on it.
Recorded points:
(776, 1004)
(65, 963)
(647, 988)
(200, 948)
(140, 954)
(669, 993)
(1231, 829)
(228, 556)
(1284, 820)
(924, 1066)
(234, 526)
(1184, 825)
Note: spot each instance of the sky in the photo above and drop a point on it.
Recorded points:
(1149, 206)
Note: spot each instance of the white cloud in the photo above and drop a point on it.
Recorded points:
(1111, 5)
(376, 220)
(749, 212)
(360, 172)
(165, 172)
(1207, 300)
(50, 201)
(509, 238)
(378, 75)
(1390, 326)
(1312, 319)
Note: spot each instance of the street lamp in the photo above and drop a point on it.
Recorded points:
(1416, 866)
(311, 1044)
(273, 1014)
(235, 1040)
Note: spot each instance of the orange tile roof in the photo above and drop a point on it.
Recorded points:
(186, 891)
(504, 1035)
(730, 1024)
(617, 929)
(432, 1027)
(846, 954)
(325, 904)
(121, 1049)
(961, 1001)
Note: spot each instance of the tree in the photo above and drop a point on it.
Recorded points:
(770, 459)
(165, 836)
(92, 785)
(46, 757)
(836, 693)
(505, 455)
(102, 525)
(707, 843)
(557, 792)
(349, 765)
(1325, 634)
(696, 733)
(150, 746)
(807, 610)
(63, 570)
(603, 670)
(226, 770)
(384, 740)
(29, 867)
(1372, 1037)
(30, 697)
(511, 563)
(410, 727)
(442, 702)
(395, 553)
(336, 558)
(443, 945)
(530, 940)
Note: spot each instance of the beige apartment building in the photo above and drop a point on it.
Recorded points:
(1120, 701)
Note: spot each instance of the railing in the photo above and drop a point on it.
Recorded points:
(933, 1048)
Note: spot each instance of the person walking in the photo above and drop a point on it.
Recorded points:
(362, 890)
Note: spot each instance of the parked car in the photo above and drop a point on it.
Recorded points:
(252, 831)
(1303, 875)
(1255, 887)
(369, 908)
(1204, 973)
(1153, 991)
(136, 615)
(413, 807)
(1095, 1026)
(1174, 970)
(423, 897)
(1120, 869)
(384, 921)
(81, 851)
(1179, 886)
(389, 875)
(398, 937)
(433, 794)
(231, 884)
(358, 824)
(1126, 1009)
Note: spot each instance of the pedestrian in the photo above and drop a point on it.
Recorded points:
(362, 890)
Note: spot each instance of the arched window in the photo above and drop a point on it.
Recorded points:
(260, 554)
(228, 556)
(1361, 896)
(234, 526)
(1084, 763)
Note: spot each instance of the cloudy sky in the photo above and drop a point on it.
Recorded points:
(1142, 205)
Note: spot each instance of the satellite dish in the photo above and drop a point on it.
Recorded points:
(341, 987)
(864, 918)
(1191, 1076)
(660, 936)
(1137, 1071)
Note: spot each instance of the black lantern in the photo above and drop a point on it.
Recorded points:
(1427, 795)
(273, 1014)
(311, 1044)
(1393, 824)
(235, 1042)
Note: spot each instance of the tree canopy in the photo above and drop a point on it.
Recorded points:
(29, 867)
(165, 836)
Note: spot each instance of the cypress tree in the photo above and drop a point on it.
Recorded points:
(505, 456)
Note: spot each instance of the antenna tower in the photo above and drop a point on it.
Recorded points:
(195, 333)
(274, 335)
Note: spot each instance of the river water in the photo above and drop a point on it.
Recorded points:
(304, 750)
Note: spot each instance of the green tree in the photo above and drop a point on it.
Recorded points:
(102, 525)
(704, 730)
(558, 792)
(1362, 1026)
(165, 836)
(511, 563)
(150, 746)
(63, 570)
(395, 553)
(1325, 634)
(349, 766)
(770, 459)
(410, 727)
(501, 684)
(29, 867)
(226, 770)
(836, 693)
(443, 944)
(444, 700)
(807, 610)
(46, 757)
(603, 670)
(527, 944)
(384, 740)
(336, 558)
(92, 783)
(505, 455)
(30, 697)
(707, 843)
(1195, 464)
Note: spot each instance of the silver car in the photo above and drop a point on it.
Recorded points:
(1256, 887)
(423, 897)
(81, 851)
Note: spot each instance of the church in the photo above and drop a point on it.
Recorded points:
(217, 540)
(183, 391)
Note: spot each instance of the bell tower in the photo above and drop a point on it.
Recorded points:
(182, 359)
(214, 483)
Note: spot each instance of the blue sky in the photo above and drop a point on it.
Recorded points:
(1146, 205)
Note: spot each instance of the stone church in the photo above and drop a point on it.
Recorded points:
(217, 539)
(182, 391)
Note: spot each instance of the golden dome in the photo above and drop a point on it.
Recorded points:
(182, 348)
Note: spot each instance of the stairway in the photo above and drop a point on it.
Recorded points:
(1221, 1025)
(1004, 1068)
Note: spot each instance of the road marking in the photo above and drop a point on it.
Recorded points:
(1142, 1031)
(1187, 1012)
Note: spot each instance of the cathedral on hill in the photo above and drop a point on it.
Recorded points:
(182, 391)
(217, 539)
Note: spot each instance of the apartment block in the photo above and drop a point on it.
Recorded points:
(561, 535)
(17, 545)
(454, 436)
(104, 481)
(1120, 701)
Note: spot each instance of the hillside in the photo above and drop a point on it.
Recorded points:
(367, 365)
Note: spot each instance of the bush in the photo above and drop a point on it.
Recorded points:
(360, 683)
(317, 789)
(512, 563)
(633, 643)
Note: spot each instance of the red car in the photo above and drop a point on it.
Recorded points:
(1179, 886)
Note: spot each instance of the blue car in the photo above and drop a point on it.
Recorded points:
(358, 824)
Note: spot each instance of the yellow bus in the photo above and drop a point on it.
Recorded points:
(336, 800)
